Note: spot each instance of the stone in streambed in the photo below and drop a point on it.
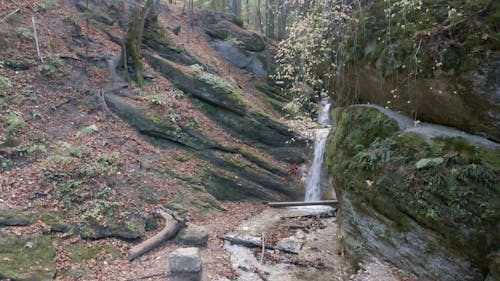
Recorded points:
(185, 260)
(193, 235)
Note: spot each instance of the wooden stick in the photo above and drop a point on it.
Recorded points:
(302, 203)
(147, 276)
(8, 16)
(171, 227)
(253, 244)
(329, 214)
(263, 240)
(36, 40)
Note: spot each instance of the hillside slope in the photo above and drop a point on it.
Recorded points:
(86, 156)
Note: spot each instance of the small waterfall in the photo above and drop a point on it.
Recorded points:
(324, 115)
(317, 172)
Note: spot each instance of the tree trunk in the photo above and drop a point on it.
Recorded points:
(247, 9)
(259, 17)
(269, 19)
(235, 6)
(282, 20)
(189, 22)
(133, 38)
(172, 226)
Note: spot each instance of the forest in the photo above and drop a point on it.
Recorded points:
(266, 140)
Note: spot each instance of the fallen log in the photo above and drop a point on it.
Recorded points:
(254, 244)
(302, 203)
(172, 226)
(329, 214)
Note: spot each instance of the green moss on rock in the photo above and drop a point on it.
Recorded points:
(458, 197)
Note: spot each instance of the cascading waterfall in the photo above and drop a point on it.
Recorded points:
(317, 172)
(324, 115)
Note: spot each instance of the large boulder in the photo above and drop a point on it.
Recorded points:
(241, 58)
(426, 200)
(240, 47)
(223, 26)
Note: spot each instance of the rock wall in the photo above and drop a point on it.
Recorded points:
(440, 66)
(428, 204)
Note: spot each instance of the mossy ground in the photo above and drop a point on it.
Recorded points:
(19, 261)
(457, 197)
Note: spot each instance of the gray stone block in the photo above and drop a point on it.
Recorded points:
(185, 260)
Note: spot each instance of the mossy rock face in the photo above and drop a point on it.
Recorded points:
(415, 62)
(454, 202)
(227, 99)
(26, 258)
(471, 104)
(157, 38)
(231, 179)
(151, 124)
(226, 107)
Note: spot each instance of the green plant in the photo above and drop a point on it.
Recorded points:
(87, 131)
(37, 149)
(45, 5)
(197, 69)
(52, 68)
(157, 99)
(193, 122)
(173, 117)
(214, 81)
(24, 32)
(4, 83)
(177, 94)
(13, 126)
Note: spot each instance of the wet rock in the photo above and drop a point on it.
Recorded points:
(185, 260)
(193, 235)
(26, 258)
(15, 216)
(291, 244)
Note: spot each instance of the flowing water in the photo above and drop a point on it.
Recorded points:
(317, 172)
(324, 115)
